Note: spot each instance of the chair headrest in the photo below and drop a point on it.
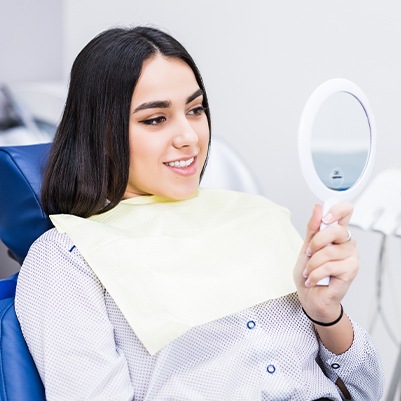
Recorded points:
(22, 219)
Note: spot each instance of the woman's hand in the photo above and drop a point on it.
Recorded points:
(329, 252)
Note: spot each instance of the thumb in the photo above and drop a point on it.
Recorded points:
(313, 224)
(312, 228)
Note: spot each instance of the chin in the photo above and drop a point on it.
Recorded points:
(182, 194)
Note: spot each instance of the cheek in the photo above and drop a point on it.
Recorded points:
(147, 152)
(204, 136)
(201, 127)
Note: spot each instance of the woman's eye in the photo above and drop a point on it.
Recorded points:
(197, 111)
(154, 121)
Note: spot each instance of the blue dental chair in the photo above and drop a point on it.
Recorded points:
(22, 220)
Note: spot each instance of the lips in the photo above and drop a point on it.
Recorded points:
(185, 167)
(180, 163)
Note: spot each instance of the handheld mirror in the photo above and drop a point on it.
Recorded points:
(336, 143)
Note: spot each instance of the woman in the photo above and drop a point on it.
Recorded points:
(151, 289)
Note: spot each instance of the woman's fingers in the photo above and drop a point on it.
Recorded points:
(340, 213)
(313, 225)
(344, 270)
(334, 260)
(335, 234)
(329, 252)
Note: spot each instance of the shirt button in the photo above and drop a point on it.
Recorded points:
(335, 365)
(251, 325)
(271, 369)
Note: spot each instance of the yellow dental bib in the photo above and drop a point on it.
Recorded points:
(172, 265)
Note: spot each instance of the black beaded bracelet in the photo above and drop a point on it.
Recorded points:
(326, 324)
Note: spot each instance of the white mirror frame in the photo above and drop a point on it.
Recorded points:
(312, 107)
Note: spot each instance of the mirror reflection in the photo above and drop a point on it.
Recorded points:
(340, 141)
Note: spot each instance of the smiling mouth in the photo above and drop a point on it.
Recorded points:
(180, 163)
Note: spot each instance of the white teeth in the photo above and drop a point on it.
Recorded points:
(181, 163)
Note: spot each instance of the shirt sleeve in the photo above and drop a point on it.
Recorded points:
(61, 308)
(359, 367)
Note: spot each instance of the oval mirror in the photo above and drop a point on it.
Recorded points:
(336, 142)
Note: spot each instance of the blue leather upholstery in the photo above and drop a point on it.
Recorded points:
(22, 219)
(19, 379)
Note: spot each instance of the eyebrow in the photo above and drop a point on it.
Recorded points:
(163, 104)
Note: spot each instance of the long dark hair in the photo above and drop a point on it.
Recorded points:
(87, 171)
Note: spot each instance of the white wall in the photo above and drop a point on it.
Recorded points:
(30, 40)
(260, 60)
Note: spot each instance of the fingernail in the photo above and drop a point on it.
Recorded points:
(305, 273)
(328, 218)
(308, 251)
(307, 283)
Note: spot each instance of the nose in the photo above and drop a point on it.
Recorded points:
(185, 134)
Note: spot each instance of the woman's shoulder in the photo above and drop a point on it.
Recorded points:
(53, 256)
(53, 236)
(53, 247)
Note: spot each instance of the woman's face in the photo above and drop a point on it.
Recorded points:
(168, 131)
